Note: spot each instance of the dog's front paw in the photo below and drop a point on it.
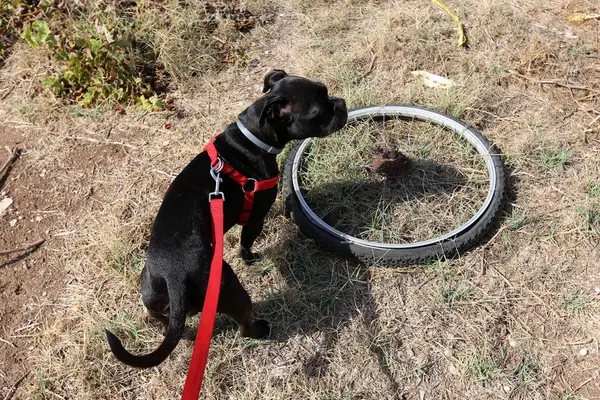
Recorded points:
(260, 329)
(249, 257)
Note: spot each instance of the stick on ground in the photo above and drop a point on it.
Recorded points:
(14, 154)
(14, 387)
(24, 247)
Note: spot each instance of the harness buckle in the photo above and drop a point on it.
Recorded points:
(215, 173)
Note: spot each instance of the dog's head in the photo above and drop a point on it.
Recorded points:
(299, 108)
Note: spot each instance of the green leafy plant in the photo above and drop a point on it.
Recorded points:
(38, 33)
(98, 67)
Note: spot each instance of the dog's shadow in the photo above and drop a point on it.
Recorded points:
(324, 293)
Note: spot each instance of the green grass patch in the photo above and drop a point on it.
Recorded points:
(575, 303)
(452, 294)
(555, 158)
(526, 372)
(517, 219)
(480, 367)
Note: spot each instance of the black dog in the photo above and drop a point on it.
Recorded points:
(174, 279)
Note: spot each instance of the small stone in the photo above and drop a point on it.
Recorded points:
(512, 342)
(507, 388)
(583, 352)
(38, 218)
(597, 290)
(20, 217)
(44, 293)
(448, 353)
(12, 222)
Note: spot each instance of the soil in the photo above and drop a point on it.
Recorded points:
(42, 204)
(24, 276)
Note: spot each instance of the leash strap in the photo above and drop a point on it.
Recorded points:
(193, 382)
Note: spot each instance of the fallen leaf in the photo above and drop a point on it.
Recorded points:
(580, 18)
(432, 80)
(4, 204)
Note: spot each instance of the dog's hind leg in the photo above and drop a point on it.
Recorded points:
(155, 298)
(235, 302)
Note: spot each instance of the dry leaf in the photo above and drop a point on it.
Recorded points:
(580, 18)
(432, 80)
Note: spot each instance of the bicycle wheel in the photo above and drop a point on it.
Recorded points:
(340, 203)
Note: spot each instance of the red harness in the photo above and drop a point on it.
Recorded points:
(193, 382)
(217, 162)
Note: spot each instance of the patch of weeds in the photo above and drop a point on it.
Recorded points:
(592, 189)
(506, 238)
(98, 64)
(555, 158)
(13, 15)
(482, 368)
(128, 263)
(442, 268)
(93, 113)
(591, 210)
(451, 294)
(591, 217)
(129, 53)
(575, 303)
(516, 220)
(526, 372)
(125, 325)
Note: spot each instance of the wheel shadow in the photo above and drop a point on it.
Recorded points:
(349, 205)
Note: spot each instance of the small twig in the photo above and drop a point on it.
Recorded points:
(14, 387)
(582, 385)
(24, 247)
(370, 69)
(485, 246)
(567, 85)
(158, 171)
(102, 141)
(553, 82)
(11, 344)
(14, 154)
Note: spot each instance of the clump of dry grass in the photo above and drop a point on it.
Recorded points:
(445, 187)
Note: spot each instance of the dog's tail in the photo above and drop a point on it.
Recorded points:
(175, 329)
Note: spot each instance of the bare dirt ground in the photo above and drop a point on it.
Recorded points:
(518, 321)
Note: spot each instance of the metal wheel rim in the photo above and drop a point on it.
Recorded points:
(406, 113)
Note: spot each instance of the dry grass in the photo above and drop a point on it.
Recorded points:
(445, 187)
(342, 330)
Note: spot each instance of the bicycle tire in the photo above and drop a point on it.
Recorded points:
(448, 246)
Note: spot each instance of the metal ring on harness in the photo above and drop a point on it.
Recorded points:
(253, 185)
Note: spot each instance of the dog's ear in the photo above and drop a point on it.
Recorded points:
(272, 77)
(277, 109)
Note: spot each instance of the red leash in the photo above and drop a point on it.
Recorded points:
(193, 382)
